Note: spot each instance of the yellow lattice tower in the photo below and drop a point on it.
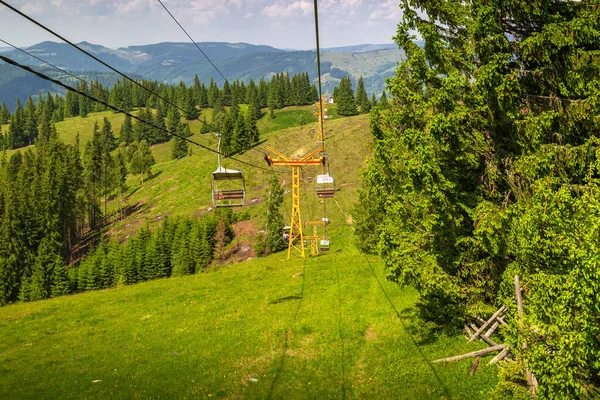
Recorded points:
(320, 113)
(314, 239)
(296, 239)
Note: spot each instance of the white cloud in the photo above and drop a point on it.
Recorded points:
(389, 10)
(295, 9)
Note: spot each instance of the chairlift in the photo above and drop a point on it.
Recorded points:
(325, 186)
(228, 189)
(324, 246)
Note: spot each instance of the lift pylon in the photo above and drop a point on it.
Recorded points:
(296, 239)
(316, 238)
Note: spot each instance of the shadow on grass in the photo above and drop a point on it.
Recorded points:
(286, 344)
(286, 298)
(416, 342)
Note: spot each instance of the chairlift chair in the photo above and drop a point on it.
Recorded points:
(228, 189)
(325, 186)
(324, 246)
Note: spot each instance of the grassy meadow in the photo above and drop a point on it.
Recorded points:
(325, 327)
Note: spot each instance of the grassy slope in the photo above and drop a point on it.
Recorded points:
(333, 327)
(329, 328)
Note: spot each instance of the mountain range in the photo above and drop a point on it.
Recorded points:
(174, 62)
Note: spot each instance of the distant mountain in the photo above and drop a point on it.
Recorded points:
(174, 62)
(361, 48)
(5, 49)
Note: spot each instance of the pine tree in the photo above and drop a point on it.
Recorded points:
(92, 162)
(4, 113)
(179, 147)
(344, 98)
(126, 133)
(141, 159)
(361, 96)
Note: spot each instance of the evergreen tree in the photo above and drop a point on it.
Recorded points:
(485, 168)
(361, 96)
(126, 133)
(273, 241)
(344, 98)
(92, 162)
(141, 159)
(4, 113)
(30, 122)
(179, 147)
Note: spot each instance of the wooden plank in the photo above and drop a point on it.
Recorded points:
(468, 330)
(500, 356)
(489, 321)
(473, 354)
(492, 329)
(486, 339)
(475, 364)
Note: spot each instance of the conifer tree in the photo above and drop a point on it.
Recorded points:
(92, 162)
(30, 121)
(361, 96)
(126, 133)
(344, 98)
(179, 147)
(142, 159)
(4, 113)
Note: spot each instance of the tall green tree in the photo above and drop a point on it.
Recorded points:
(485, 167)
(344, 98)
(142, 160)
(361, 96)
(4, 113)
(126, 132)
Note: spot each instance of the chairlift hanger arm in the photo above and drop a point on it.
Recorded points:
(314, 153)
(278, 154)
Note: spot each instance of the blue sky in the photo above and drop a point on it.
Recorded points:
(279, 23)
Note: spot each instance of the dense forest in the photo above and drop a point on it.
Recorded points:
(485, 167)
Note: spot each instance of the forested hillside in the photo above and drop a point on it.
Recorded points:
(486, 167)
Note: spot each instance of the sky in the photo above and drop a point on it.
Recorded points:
(287, 24)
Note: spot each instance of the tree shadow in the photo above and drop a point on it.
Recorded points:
(286, 344)
(405, 319)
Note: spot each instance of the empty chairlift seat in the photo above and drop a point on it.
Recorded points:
(228, 188)
(325, 186)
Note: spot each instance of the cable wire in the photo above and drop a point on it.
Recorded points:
(193, 41)
(53, 66)
(201, 51)
(98, 60)
(70, 88)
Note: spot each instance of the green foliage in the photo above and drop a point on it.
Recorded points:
(485, 166)
(141, 159)
(272, 241)
(344, 98)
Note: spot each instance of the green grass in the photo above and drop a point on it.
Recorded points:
(331, 327)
